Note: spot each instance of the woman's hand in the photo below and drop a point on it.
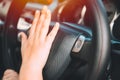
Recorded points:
(36, 47)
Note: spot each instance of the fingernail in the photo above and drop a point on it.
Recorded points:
(44, 7)
(57, 24)
(48, 13)
(37, 11)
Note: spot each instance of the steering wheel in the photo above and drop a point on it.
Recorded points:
(72, 42)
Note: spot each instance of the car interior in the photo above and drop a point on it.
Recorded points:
(87, 46)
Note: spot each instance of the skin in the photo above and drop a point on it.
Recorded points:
(35, 48)
(10, 75)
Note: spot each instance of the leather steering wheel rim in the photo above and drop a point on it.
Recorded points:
(101, 40)
(101, 37)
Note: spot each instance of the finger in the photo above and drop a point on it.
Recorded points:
(12, 74)
(10, 78)
(8, 71)
(41, 21)
(34, 23)
(23, 37)
(52, 34)
(46, 24)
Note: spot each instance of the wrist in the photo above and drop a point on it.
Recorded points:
(30, 72)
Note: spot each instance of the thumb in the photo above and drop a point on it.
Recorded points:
(22, 37)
